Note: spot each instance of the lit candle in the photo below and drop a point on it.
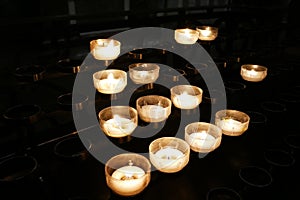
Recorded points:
(186, 36)
(186, 101)
(143, 73)
(207, 33)
(105, 49)
(169, 154)
(232, 122)
(186, 96)
(119, 126)
(155, 112)
(203, 137)
(253, 73)
(201, 140)
(106, 82)
(129, 179)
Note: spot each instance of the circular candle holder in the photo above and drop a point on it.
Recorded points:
(118, 121)
(253, 73)
(153, 108)
(110, 81)
(30, 73)
(69, 102)
(278, 158)
(213, 96)
(223, 193)
(232, 122)
(105, 49)
(24, 113)
(186, 36)
(127, 174)
(169, 154)
(17, 168)
(203, 137)
(143, 73)
(69, 65)
(255, 176)
(186, 96)
(207, 33)
(70, 148)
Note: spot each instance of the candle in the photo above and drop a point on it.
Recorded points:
(186, 96)
(110, 81)
(118, 121)
(207, 33)
(253, 73)
(169, 154)
(153, 108)
(143, 73)
(186, 36)
(232, 122)
(105, 49)
(201, 140)
(128, 177)
(119, 126)
(203, 137)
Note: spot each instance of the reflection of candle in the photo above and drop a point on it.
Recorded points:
(186, 36)
(231, 125)
(119, 126)
(186, 101)
(105, 49)
(168, 158)
(254, 73)
(128, 179)
(201, 140)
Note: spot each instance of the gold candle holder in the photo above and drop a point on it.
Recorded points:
(169, 154)
(253, 73)
(105, 49)
(143, 73)
(118, 121)
(186, 36)
(207, 33)
(232, 122)
(153, 108)
(110, 81)
(186, 96)
(203, 137)
(127, 174)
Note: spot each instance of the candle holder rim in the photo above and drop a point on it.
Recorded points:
(117, 108)
(279, 151)
(154, 96)
(261, 68)
(140, 64)
(289, 143)
(283, 106)
(193, 87)
(29, 157)
(179, 140)
(36, 111)
(60, 97)
(267, 173)
(108, 71)
(214, 28)
(233, 191)
(182, 30)
(105, 39)
(206, 124)
(225, 111)
(147, 162)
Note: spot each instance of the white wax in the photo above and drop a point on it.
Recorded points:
(186, 36)
(201, 140)
(128, 180)
(143, 77)
(186, 101)
(168, 158)
(154, 111)
(119, 126)
(231, 125)
(110, 85)
(106, 51)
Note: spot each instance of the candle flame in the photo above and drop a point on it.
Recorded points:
(110, 77)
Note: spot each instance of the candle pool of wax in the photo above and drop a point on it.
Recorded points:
(168, 158)
(186, 101)
(153, 111)
(119, 126)
(231, 125)
(201, 140)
